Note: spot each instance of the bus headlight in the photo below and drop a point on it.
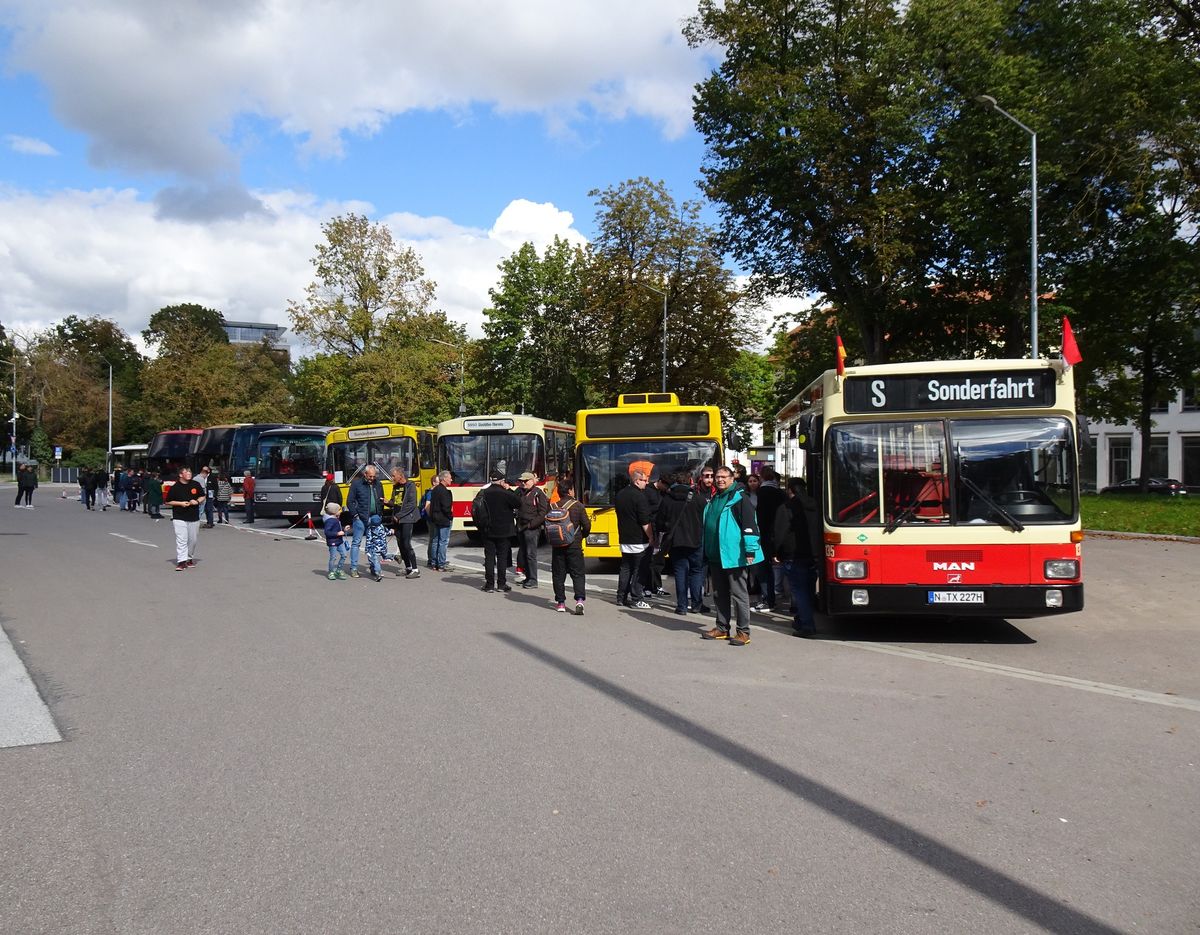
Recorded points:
(850, 570)
(598, 538)
(859, 597)
(1054, 597)
(1062, 568)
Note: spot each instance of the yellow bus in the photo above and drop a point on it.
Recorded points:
(385, 445)
(470, 448)
(644, 430)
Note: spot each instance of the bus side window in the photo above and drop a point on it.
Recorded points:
(551, 452)
(425, 450)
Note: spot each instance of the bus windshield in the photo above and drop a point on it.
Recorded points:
(244, 451)
(1005, 471)
(291, 455)
(471, 458)
(606, 465)
(348, 458)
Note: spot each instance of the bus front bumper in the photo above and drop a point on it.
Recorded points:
(931, 600)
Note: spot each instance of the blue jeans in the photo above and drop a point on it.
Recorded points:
(802, 577)
(689, 576)
(123, 499)
(439, 539)
(337, 555)
(358, 527)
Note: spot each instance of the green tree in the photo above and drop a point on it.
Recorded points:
(750, 400)
(538, 347)
(647, 241)
(817, 157)
(364, 285)
(179, 330)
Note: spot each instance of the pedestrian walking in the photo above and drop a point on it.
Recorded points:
(365, 506)
(335, 539)
(248, 496)
(101, 480)
(567, 526)
(184, 499)
(439, 520)
(208, 480)
(406, 511)
(154, 495)
(90, 479)
(224, 497)
(27, 482)
(731, 546)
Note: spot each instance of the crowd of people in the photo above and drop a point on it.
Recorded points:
(721, 532)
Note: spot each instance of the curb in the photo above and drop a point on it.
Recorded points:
(1149, 536)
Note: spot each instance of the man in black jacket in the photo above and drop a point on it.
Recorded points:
(498, 503)
(768, 498)
(797, 550)
(680, 526)
(440, 518)
(365, 506)
(531, 514)
(634, 528)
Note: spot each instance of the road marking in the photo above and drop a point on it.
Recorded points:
(133, 540)
(24, 717)
(1063, 681)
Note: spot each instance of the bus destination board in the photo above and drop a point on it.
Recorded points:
(932, 392)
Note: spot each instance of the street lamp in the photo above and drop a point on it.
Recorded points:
(990, 102)
(462, 370)
(664, 295)
(15, 415)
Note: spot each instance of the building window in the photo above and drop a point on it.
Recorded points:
(1162, 404)
(1191, 398)
(1157, 465)
(1191, 462)
(1118, 460)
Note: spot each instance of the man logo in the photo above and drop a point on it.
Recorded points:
(953, 579)
(953, 566)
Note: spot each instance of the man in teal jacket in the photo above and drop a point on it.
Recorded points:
(731, 545)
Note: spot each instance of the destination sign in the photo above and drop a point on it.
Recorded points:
(926, 392)
(488, 425)
(379, 431)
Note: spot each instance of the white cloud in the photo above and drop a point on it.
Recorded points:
(159, 87)
(109, 253)
(29, 146)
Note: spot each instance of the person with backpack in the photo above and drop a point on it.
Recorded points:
(567, 525)
(494, 511)
(531, 514)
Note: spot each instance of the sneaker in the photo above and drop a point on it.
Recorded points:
(804, 634)
(682, 613)
(504, 587)
(529, 584)
(191, 563)
(378, 576)
(739, 639)
(763, 606)
(413, 573)
(560, 607)
(181, 566)
(354, 573)
(340, 575)
(332, 576)
(488, 589)
(579, 608)
(716, 633)
(663, 592)
(638, 605)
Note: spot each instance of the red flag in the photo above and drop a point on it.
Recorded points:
(1070, 350)
(841, 357)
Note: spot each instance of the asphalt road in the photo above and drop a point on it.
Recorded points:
(251, 748)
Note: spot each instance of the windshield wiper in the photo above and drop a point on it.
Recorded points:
(1011, 521)
(904, 515)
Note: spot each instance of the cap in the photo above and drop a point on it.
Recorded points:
(528, 476)
(496, 475)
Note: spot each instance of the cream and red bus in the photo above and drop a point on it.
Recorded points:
(946, 488)
(471, 447)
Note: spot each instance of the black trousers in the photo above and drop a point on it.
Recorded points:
(404, 545)
(568, 561)
(629, 579)
(497, 556)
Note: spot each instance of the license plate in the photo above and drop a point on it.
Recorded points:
(289, 512)
(955, 597)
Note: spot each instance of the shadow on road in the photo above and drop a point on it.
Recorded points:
(921, 630)
(1039, 908)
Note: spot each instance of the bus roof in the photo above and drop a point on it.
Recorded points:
(298, 429)
(499, 423)
(371, 430)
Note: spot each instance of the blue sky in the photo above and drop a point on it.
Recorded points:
(154, 152)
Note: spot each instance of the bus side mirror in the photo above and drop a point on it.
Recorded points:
(808, 432)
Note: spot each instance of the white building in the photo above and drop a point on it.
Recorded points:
(1174, 445)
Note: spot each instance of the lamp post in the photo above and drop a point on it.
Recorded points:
(12, 453)
(462, 370)
(990, 102)
(664, 349)
(109, 454)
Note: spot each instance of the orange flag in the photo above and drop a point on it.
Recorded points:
(1070, 350)
(841, 357)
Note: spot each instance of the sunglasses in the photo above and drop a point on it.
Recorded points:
(706, 475)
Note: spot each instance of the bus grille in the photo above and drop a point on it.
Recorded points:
(954, 555)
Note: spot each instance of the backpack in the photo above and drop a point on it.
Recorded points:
(560, 528)
(479, 513)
